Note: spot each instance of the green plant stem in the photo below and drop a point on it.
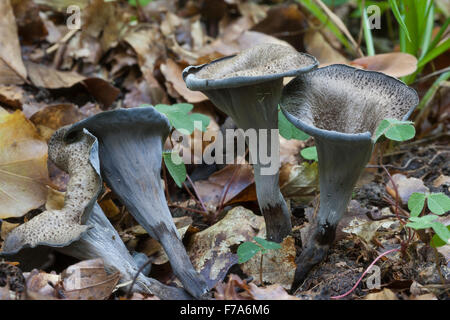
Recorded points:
(367, 31)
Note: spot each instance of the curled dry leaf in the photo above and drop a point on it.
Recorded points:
(88, 280)
(11, 96)
(406, 187)
(395, 64)
(210, 249)
(31, 27)
(42, 283)
(46, 77)
(278, 265)
(23, 166)
(12, 69)
(211, 191)
(299, 181)
(58, 228)
(172, 73)
(316, 45)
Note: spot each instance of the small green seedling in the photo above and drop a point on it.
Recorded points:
(142, 3)
(438, 204)
(395, 130)
(288, 130)
(176, 167)
(248, 250)
(309, 153)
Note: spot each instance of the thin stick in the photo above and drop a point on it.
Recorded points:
(196, 193)
(367, 270)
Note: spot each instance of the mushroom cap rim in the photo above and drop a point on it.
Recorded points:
(131, 117)
(194, 83)
(340, 136)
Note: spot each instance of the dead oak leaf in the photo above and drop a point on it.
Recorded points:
(23, 166)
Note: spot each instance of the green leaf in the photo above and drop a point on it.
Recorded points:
(438, 203)
(310, 153)
(269, 245)
(441, 231)
(180, 119)
(288, 130)
(395, 130)
(415, 203)
(436, 241)
(175, 166)
(247, 250)
(424, 222)
(398, 16)
(143, 3)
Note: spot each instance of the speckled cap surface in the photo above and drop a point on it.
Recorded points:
(345, 102)
(261, 63)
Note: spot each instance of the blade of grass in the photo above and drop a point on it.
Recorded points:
(367, 32)
(439, 35)
(398, 16)
(437, 51)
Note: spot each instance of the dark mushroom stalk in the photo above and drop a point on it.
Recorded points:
(341, 107)
(103, 241)
(130, 152)
(247, 87)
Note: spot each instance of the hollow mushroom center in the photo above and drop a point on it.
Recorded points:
(348, 102)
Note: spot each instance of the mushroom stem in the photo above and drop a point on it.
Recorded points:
(337, 180)
(148, 193)
(103, 241)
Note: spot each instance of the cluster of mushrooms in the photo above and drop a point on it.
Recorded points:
(340, 106)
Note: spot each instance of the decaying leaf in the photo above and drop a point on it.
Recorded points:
(88, 280)
(42, 283)
(395, 64)
(23, 166)
(58, 228)
(210, 249)
(299, 181)
(278, 266)
(12, 69)
(320, 48)
(11, 96)
(406, 187)
(385, 294)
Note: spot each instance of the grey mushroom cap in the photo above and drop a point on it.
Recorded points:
(342, 103)
(341, 107)
(256, 65)
(130, 152)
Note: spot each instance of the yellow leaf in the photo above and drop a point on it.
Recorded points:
(23, 166)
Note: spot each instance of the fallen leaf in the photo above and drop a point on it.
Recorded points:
(172, 73)
(278, 265)
(385, 294)
(406, 187)
(42, 283)
(210, 250)
(12, 69)
(441, 180)
(11, 96)
(394, 64)
(298, 182)
(23, 166)
(317, 46)
(31, 27)
(88, 280)
(273, 292)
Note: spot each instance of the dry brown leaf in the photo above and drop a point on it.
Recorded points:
(11, 96)
(406, 187)
(316, 45)
(209, 249)
(12, 69)
(172, 73)
(42, 283)
(88, 280)
(230, 289)
(273, 292)
(211, 191)
(385, 294)
(395, 64)
(48, 120)
(23, 166)
(278, 265)
(299, 181)
(31, 27)
(46, 77)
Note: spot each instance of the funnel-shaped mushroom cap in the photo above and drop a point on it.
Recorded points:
(343, 99)
(259, 64)
(130, 152)
(340, 107)
(247, 87)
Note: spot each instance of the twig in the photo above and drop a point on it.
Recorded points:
(197, 193)
(367, 270)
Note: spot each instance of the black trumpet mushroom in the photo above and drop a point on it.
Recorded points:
(247, 87)
(341, 107)
(130, 152)
(80, 229)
